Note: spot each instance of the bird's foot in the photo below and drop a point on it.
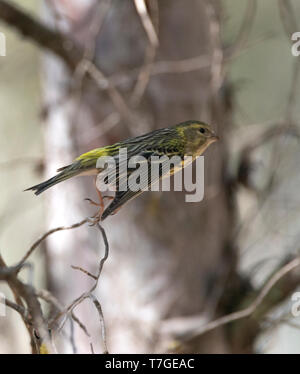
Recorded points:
(90, 201)
(94, 220)
(97, 217)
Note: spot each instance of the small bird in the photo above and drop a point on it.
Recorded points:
(190, 138)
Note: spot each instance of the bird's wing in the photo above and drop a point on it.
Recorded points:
(140, 178)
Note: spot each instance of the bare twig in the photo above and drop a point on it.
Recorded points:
(217, 73)
(164, 67)
(288, 18)
(92, 349)
(45, 236)
(144, 76)
(146, 21)
(100, 12)
(89, 293)
(89, 52)
(284, 127)
(115, 96)
(102, 323)
(244, 32)
(250, 309)
(84, 271)
(37, 328)
(281, 129)
(61, 45)
(21, 161)
(51, 299)
(108, 123)
(145, 72)
(18, 308)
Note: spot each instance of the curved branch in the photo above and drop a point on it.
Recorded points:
(57, 43)
(247, 312)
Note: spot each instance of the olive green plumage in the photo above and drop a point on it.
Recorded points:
(189, 138)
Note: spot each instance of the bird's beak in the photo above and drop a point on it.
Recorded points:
(214, 138)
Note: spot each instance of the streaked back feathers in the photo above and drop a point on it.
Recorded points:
(189, 138)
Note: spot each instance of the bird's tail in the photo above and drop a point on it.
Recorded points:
(66, 173)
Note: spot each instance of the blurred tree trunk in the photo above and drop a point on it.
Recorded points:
(168, 258)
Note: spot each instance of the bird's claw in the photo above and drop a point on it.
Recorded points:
(94, 220)
(90, 201)
(97, 217)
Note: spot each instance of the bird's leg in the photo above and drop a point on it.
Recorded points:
(101, 201)
(97, 216)
(91, 202)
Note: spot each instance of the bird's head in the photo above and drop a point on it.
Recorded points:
(198, 136)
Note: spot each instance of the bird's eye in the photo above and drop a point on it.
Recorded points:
(202, 130)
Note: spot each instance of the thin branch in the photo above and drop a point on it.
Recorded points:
(100, 11)
(18, 308)
(61, 45)
(278, 129)
(115, 96)
(108, 123)
(20, 161)
(285, 127)
(245, 30)
(37, 328)
(146, 21)
(164, 67)
(144, 76)
(288, 19)
(102, 323)
(84, 271)
(89, 293)
(217, 71)
(247, 312)
(51, 299)
(145, 71)
(45, 236)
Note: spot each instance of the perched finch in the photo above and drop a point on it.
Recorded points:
(190, 138)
